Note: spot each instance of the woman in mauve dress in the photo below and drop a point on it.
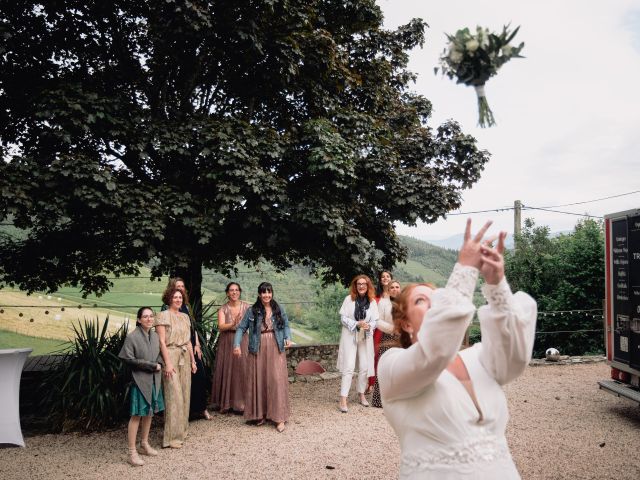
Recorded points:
(227, 391)
(267, 380)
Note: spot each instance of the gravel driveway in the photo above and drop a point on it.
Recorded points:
(562, 427)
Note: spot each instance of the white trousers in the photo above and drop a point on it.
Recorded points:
(351, 350)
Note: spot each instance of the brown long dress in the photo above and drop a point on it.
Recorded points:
(177, 389)
(227, 390)
(267, 389)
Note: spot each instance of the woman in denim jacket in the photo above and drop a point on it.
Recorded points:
(267, 382)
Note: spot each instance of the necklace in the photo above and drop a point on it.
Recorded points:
(235, 313)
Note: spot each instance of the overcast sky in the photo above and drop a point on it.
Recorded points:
(568, 115)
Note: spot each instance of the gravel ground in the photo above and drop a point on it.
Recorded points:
(562, 427)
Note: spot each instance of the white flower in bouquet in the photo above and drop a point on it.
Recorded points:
(473, 59)
(472, 45)
(455, 56)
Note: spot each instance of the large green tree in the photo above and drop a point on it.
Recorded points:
(188, 134)
(564, 273)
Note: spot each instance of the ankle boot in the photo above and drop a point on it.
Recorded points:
(146, 449)
(134, 459)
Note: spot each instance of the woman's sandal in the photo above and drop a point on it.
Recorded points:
(206, 415)
(134, 460)
(280, 427)
(146, 449)
(260, 422)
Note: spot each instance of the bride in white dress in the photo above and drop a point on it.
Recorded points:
(447, 407)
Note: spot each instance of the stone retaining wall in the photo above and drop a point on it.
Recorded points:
(326, 355)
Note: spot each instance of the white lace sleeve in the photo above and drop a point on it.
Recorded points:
(403, 373)
(508, 325)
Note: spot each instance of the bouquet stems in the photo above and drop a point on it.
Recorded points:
(485, 114)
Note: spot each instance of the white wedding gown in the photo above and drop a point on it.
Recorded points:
(443, 434)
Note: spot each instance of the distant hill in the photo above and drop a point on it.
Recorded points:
(425, 262)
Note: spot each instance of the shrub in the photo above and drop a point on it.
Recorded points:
(88, 389)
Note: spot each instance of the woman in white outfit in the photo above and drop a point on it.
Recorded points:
(387, 337)
(447, 407)
(358, 314)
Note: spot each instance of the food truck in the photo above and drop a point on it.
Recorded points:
(622, 303)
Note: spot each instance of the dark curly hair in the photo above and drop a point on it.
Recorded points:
(169, 293)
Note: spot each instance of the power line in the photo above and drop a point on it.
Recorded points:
(594, 200)
(524, 207)
(505, 209)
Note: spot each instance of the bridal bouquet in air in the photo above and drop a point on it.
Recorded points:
(473, 59)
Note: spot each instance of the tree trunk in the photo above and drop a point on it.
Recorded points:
(192, 276)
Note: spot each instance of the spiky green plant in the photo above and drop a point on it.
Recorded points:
(88, 388)
(207, 330)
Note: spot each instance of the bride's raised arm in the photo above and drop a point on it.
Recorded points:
(507, 322)
(405, 372)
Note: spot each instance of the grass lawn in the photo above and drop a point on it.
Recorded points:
(41, 346)
(424, 273)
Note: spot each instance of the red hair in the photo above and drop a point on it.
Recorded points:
(353, 289)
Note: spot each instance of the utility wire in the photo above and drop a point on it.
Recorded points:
(594, 200)
(505, 209)
(526, 207)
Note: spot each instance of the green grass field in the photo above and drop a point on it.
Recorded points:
(43, 314)
(41, 346)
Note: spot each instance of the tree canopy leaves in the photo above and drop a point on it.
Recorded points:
(189, 133)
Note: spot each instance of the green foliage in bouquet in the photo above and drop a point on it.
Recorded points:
(472, 59)
(88, 389)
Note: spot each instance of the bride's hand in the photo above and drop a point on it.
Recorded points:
(470, 255)
(492, 268)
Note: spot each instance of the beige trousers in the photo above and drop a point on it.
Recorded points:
(177, 396)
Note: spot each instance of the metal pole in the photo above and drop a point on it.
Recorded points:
(517, 218)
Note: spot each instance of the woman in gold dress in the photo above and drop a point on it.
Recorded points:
(174, 331)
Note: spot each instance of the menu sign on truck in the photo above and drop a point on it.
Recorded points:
(633, 227)
(620, 289)
(623, 278)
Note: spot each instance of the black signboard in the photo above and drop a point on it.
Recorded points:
(633, 228)
(620, 289)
